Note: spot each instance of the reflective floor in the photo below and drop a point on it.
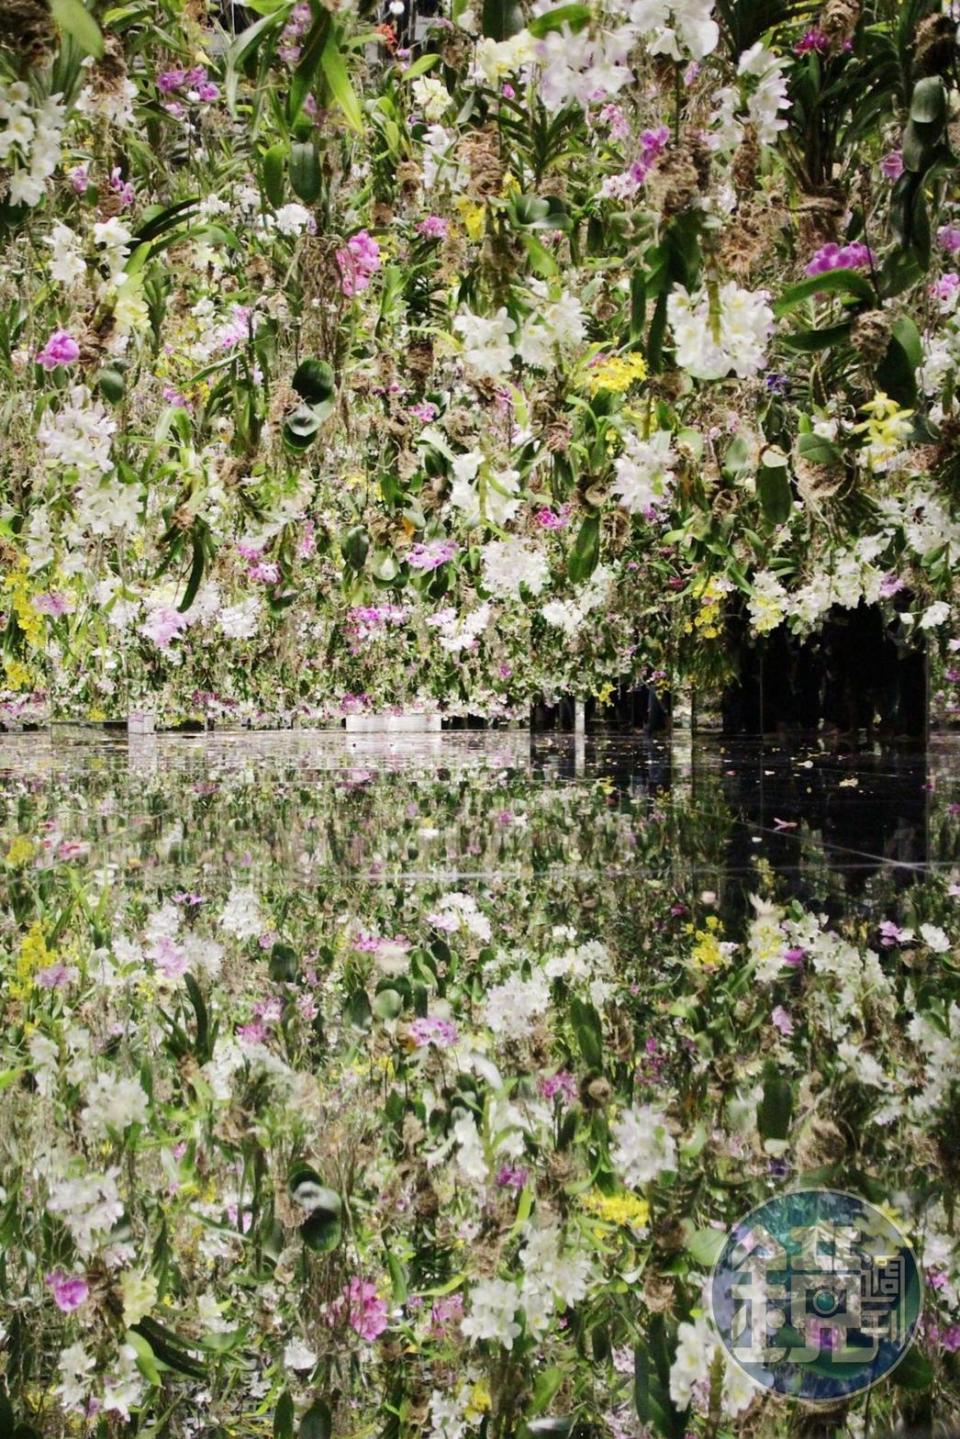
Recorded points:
(511, 1006)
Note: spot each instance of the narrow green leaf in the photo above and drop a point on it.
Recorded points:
(306, 71)
(339, 81)
(849, 282)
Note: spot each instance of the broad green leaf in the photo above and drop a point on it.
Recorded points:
(501, 18)
(355, 546)
(283, 1416)
(773, 488)
(306, 179)
(849, 282)
(705, 1246)
(928, 104)
(74, 19)
(776, 1106)
(313, 381)
(272, 173)
(317, 1422)
(586, 551)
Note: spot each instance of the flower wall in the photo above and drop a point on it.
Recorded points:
(350, 361)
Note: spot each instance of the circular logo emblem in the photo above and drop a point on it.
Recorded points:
(816, 1295)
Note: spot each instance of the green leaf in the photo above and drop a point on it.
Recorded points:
(6, 1416)
(589, 1032)
(321, 1232)
(310, 59)
(807, 341)
(896, 372)
(914, 1371)
(272, 173)
(313, 381)
(309, 1191)
(196, 575)
(146, 1359)
(776, 1106)
(317, 1423)
(420, 67)
(928, 104)
(339, 81)
(818, 450)
(75, 20)
(705, 1246)
(651, 1383)
(501, 19)
(576, 16)
(543, 1391)
(284, 965)
(354, 546)
(398, 1279)
(776, 498)
(849, 282)
(111, 384)
(586, 551)
(387, 1003)
(283, 1416)
(300, 429)
(541, 260)
(305, 176)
